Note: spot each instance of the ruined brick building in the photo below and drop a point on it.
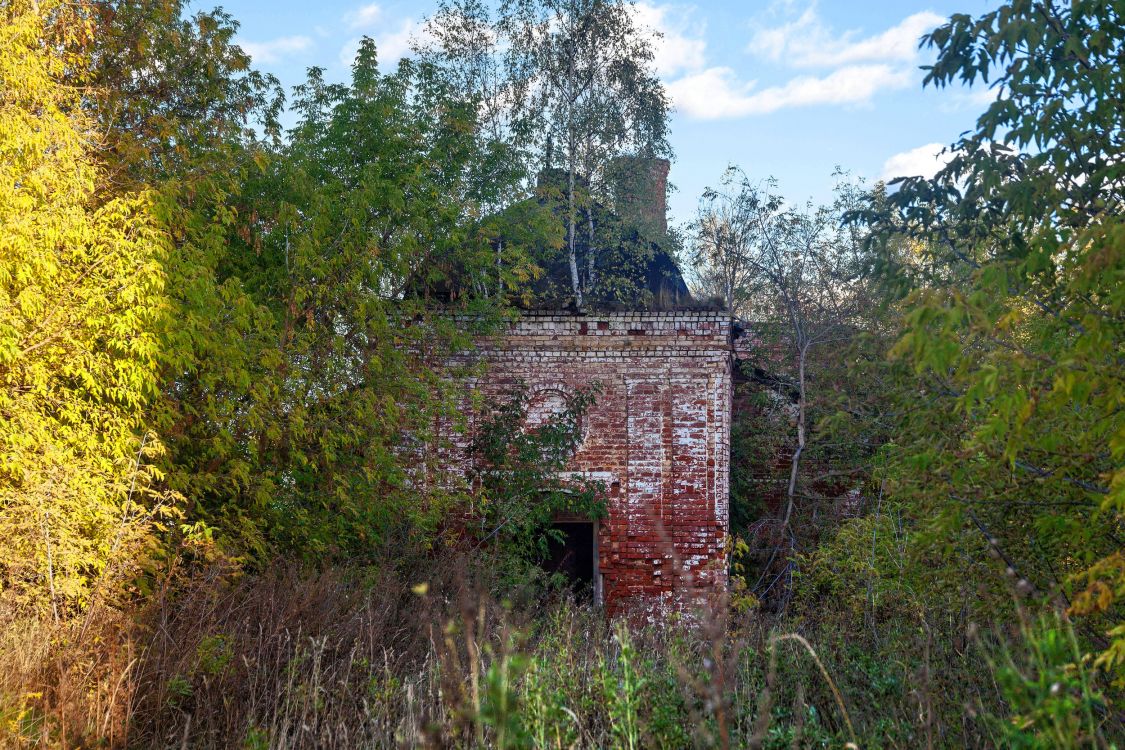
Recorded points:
(657, 437)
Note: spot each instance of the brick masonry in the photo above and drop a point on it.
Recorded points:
(658, 436)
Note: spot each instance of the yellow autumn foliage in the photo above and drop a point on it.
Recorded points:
(81, 291)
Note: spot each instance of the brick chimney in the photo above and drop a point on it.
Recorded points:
(640, 186)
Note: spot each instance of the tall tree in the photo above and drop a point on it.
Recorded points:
(369, 213)
(81, 300)
(1016, 311)
(569, 85)
(726, 234)
(796, 273)
(594, 96)
(183, 116)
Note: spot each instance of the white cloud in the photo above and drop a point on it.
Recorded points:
(364, 17)
(273, 50)
(807, 42)
(391, 46)
(716, 93)
(348, 52)
(855, 68)
(396, 44)
(679, 46)
(924, 161)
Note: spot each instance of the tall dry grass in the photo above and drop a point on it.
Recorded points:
(361, 657)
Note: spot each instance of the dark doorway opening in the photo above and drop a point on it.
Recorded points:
(574, 556)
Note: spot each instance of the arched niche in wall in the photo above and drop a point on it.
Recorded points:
(546, 401)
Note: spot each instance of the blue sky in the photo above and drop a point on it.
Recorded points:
(783, 88)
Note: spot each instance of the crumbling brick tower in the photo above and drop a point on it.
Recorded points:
(657, 436)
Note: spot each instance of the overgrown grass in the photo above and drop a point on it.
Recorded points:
(365, 658)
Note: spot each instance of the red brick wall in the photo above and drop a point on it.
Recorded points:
(658, 436)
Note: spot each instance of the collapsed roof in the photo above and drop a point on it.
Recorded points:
(626, 246)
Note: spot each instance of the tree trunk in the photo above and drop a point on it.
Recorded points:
(790, 493)
(591, 270)
(571, 219)
(570, 222)
(730, 289)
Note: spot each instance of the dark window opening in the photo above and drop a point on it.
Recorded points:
(573, 556)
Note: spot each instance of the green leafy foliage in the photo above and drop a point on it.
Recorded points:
(176, 96)
(352, 222)
(519, 470)
(1013, 323)
(309, 353)
(82, 296)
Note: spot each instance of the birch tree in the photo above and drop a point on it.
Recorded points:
(563, 86)
(593, 95)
